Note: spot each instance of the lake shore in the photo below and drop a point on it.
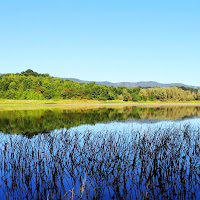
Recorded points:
(89, 103)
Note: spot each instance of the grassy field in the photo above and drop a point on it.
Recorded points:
(16, 102)
(70, 102)
(83, 104)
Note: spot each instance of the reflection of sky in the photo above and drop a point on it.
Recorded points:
(122, 127)
(137, 125)
(114, 126)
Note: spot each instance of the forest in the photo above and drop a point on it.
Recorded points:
(31, 85)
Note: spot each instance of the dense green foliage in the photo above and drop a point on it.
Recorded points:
(31, 85)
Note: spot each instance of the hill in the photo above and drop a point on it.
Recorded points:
(143, 84)
(32, 85)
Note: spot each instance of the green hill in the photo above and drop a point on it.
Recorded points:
(32, 85)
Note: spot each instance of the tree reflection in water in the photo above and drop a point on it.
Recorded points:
(156, 163)
(32, 122)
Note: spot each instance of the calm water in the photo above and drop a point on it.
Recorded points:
(106, 153)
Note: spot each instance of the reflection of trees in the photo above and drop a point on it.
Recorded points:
(161, 163)
(31, 122)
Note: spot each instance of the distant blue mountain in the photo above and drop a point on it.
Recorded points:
(134, 84)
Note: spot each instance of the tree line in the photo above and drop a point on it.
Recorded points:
(32, 85)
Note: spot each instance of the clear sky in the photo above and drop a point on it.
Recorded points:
(113, 40)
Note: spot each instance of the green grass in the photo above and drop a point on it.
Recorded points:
(162, 102)
(15, 102)
(56, 101)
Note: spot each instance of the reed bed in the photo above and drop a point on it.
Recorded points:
(155, 163)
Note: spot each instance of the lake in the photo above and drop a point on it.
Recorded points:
(100, 153)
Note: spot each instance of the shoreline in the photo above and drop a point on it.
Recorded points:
(101, 104)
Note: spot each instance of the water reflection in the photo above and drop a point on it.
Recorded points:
(159, 163)
(31, 122)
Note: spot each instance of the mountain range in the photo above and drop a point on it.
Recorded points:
(134, 84)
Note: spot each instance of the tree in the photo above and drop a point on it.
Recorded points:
(143, 94)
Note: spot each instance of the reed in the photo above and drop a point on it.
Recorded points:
(155, 163)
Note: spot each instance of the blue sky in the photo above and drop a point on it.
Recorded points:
(111, 40)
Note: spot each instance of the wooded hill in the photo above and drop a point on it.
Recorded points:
(32, 85)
